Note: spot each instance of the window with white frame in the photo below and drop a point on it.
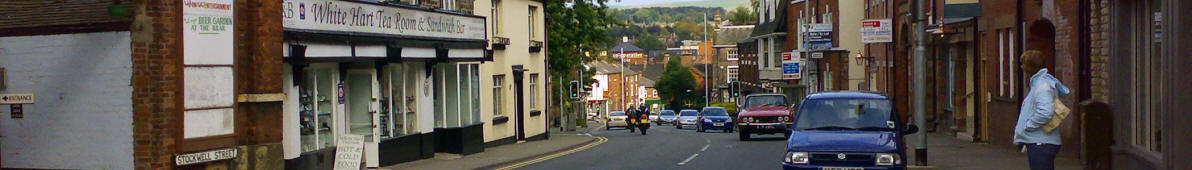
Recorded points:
(456, 88)
(1147, 86)
(732, 73)
(732, 54)
(498, 86)
(533, 22)
(496, 17)
(533, 98)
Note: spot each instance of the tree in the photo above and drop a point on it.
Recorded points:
(742, 16)
(677, 86)
(649, 43)
(574, 29)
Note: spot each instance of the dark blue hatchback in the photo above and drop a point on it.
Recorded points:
(846, 131)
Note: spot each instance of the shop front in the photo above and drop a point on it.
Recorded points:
(405, 79)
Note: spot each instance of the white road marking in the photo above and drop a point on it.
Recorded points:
(705, 148)
(689, 159)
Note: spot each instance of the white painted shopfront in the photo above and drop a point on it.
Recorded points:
(406, 79)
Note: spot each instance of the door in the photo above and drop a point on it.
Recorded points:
(519, 102)
(362, 110)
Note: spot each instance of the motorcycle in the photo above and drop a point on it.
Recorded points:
(642, 122)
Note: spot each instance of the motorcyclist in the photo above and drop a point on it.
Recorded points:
(643, 118)
(631, 114)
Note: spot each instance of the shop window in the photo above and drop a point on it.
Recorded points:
(533, 98)
(317, 101)
(456, 94)
(399, 103)
(1147, 83)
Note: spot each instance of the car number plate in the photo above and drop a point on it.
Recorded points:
(841, 168)
(718, 124)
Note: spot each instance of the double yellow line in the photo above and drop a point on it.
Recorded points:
(599, 140)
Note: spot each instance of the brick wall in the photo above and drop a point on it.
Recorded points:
(1099, 50)
(156, 95)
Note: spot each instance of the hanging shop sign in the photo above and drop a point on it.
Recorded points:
(207, 156)
(876, 31)
(790, 66)
(355, 17)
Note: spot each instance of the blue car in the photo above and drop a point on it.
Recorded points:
(714, 118)
(846, 130)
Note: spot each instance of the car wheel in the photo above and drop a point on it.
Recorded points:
(678, 126)
(743, 135)
(727, 131)
(787, 135)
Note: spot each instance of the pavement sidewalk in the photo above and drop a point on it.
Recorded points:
(505, 154)
(947, 152)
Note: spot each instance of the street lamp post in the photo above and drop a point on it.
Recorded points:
(920, 81)
(624, 77)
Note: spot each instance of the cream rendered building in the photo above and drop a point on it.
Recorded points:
(513, 84)
(850, 39)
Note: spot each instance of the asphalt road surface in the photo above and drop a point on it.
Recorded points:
(668, 148)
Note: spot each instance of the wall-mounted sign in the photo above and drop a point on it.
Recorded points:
(207, 32)
(17, 98)
(876, 31)
(208, 41)
(817, 37)
(206, 156)
(17, 110)
(355, 17)
(791, 66)
(349, 149)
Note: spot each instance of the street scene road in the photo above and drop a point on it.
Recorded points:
(665, 147)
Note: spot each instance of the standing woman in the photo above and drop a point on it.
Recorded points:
(1037, 109)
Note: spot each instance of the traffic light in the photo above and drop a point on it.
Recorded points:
(575, 89)
(735, 88)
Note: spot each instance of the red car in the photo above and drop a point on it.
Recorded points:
(767, 113)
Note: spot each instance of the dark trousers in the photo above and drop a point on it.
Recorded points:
(1042, 156)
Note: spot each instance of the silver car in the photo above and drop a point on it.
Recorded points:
(686, 118)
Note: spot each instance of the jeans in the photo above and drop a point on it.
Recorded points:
(1042, 156)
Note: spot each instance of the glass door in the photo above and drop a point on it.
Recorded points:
(359, 103)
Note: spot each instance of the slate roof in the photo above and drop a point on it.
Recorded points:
(645, 82)
(778, 25)
(629, 47)
(730, 35)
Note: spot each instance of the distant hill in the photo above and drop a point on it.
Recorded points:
(722, 4)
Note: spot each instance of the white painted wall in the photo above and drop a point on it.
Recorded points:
(82, 118)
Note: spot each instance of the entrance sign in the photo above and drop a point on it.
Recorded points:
(876, 31)
(355, 17)
(207, 156)
(790, 66)
(349, 150)
(17, 98)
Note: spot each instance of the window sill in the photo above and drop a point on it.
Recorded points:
(500, 120)
(535, 112)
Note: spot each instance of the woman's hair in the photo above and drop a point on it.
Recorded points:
(1034, 59)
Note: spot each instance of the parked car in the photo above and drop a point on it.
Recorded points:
(714, 118)
(686, 118)
(666, 117)
(846, 130)
(766, 113)
(616, 119)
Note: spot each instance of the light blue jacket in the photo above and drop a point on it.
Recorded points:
(1037, 109)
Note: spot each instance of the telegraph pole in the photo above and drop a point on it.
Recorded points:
(707, 71)
(920, 69)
